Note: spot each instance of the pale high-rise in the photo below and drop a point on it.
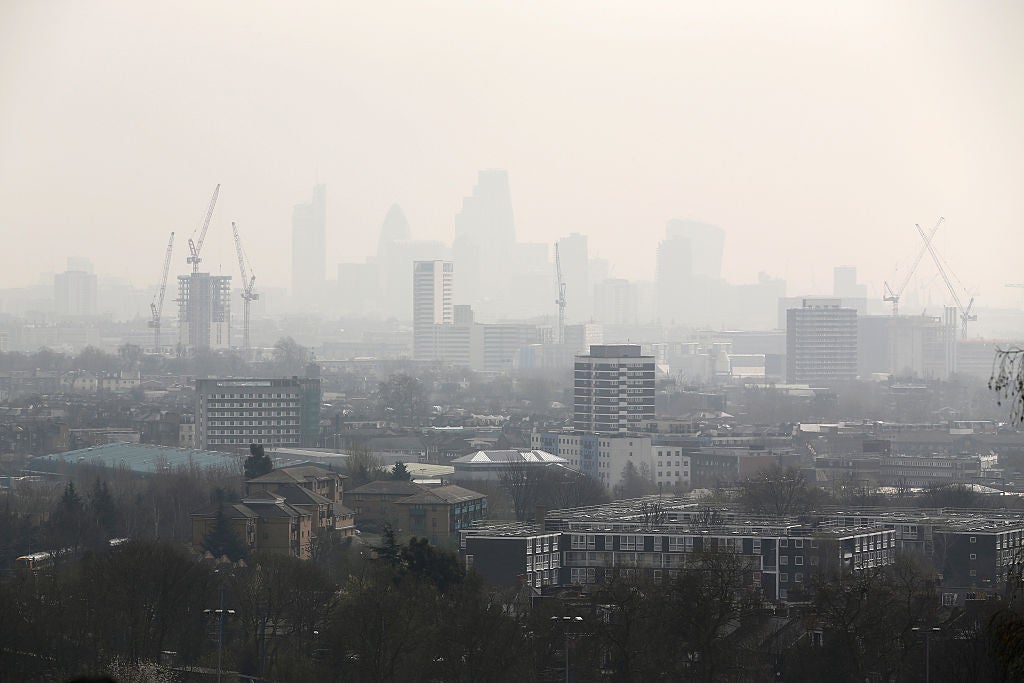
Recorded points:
(309, 229)
(431, 305)
(613, 390)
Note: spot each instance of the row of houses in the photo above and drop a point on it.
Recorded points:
(288, 509)
(972, 552)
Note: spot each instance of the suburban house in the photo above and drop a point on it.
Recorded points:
(264, 522)
(439, 513)
(313, 489)
(433, 513)
(375, 502)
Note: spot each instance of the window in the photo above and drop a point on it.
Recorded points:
(798, 543)
(974, 539)
(783, 560)
(974, 556)
(799, 559)
(973, 572)
(783, 542)
(813, 561)
(799, 578)
(783, 578)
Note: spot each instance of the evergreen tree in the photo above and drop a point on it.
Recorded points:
(258, 463)
(222, 540)
(400, 472)
(103, 508)
(69, 527)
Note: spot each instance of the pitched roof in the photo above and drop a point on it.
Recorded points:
(450, 495)
(300, 495)
(501, 457)
(295, 473)
(392, 487)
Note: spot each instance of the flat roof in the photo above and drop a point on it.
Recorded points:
(143, 458)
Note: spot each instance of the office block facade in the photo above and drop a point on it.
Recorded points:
(821, 342)
(233, 413)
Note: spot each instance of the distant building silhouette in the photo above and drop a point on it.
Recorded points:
(690, 288)
(573, 252)
(309, 230)
(74, 290)
(484, 239)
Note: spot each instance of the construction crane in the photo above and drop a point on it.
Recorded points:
(195, 247)
(965, 313)
(894, 296)
(248, 282)
(157, 306)
(561, 297)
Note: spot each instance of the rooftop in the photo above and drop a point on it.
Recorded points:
(144, 458)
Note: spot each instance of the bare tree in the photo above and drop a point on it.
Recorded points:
(1007, 380)
(778, 491)
(521, 484)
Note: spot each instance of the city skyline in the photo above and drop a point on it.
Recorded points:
(615, 121)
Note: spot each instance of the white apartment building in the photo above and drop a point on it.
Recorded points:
(613, 390)
(432, 305)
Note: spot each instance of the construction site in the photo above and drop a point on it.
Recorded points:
(204, 300)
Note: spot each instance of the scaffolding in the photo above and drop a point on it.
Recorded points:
(204, 311)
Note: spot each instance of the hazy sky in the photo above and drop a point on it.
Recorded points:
(815, 133)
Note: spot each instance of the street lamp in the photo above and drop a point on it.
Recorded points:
(220, 630)
(927, 648)
(566, 623)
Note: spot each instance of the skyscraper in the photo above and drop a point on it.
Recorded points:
(74, 290)
(689, 277)
(309, 221)
(573, 252)
(613, 390)
(707, 243)
(484, 240)
(431, 305)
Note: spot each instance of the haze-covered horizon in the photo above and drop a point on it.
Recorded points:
(815, 135)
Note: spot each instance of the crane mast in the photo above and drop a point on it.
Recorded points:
(965, 313)
(194, 248)
(894, 296)
(157, 306)
(248, 283)
(561, 297)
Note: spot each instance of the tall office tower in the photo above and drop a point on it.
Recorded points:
(572, 251)
(821, 342)
(487, 213)
(395, 251)
(204, 311)
(844, 283)
(616, 302)
(689, 277)
(484, 236)
(233, 413)
(309, 229)
(674, 279)
(74, 290)
(613, 390)
(707, 243)
(431, 305)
